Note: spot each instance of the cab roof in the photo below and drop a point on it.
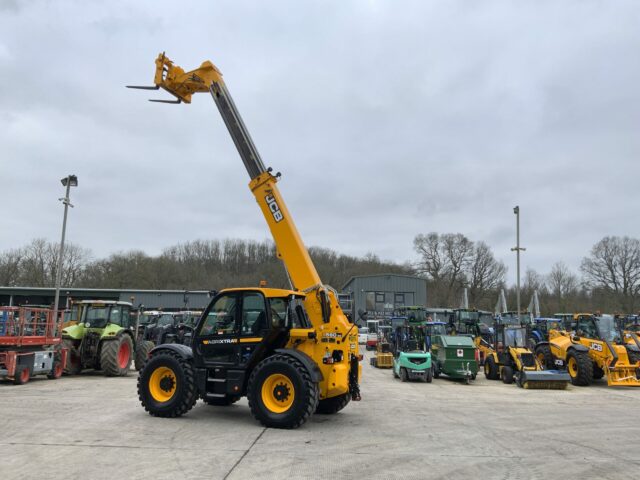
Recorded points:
(268, 292)
(103, 302)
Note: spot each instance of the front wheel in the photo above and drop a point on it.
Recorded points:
(580, 368)
(429, 377)
(166, 385)
(507, 375)
(281, 392)
(403, 374)
(115, 356)
(22, 375)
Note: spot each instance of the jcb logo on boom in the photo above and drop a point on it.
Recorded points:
(596, 346)
(273, 206)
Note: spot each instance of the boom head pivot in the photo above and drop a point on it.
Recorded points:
(179, 83)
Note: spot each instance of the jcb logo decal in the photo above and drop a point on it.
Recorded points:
(273, 206)
(596, 346)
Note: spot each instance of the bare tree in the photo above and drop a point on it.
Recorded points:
(10, 267)
(614, 265)
(485, 274)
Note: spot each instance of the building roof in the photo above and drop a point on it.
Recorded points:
(413, 277)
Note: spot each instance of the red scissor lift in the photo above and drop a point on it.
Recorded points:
(30, 344)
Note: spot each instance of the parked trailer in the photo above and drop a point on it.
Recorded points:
(30, 344)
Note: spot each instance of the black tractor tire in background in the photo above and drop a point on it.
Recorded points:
(544, 355)
(223, 401)
(73, 366)
(490, 368)
(305, 392)
(507, 375)
(583, 376)
(332, 405)
(112, 362)
(598, 373)
(142, 353)
(185, 393)
(429, 377)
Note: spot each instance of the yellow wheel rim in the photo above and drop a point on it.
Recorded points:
(541, 360)
(572, 366)
(162, 384)
(278, 393)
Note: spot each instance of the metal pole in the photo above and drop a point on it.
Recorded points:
(66, 202)
(517, 249)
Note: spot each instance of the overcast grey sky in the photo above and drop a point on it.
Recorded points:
(386, 118)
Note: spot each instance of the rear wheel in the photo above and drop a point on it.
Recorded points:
(142, 353)
(166, 385)
(281, 392)
(436, 370)
(429, 377)
(333, 405)
(544, 357)
(74, 365)
(507, 375)
(56, 371)
(490, 368)
(403, 374)
(580, 368)
(22, 375)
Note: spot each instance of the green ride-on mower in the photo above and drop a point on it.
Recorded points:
(410, 360)
(455, 356)
(104, 339)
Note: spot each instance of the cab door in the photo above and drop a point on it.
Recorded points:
(254, 324)
(217, 340)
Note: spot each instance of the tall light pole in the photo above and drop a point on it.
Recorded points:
(517, 249)
(68, 181)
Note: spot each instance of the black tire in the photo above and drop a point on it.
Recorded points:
(582, 374)
(545, 357)
(142, 353)
(332, 405)
(111, 361)
(436, 370)
(22, 375)
(490, 368)
(598, 373)
(305, 392)
(74, 365)
(403, 374)
(507, 375)
(185, 394)
(634, 357)
(223, 401)
(429, 377)
(56, 370)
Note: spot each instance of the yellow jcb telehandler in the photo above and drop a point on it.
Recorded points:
(290, 352)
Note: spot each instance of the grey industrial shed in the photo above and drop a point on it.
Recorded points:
(150, 299)
(380, 295)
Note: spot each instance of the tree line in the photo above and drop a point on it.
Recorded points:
(608, 278)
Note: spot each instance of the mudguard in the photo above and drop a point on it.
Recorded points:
(578, 347)
(182, 350)
(306, 360)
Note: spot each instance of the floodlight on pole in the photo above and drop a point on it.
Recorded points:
(68, 182)
(517, 249)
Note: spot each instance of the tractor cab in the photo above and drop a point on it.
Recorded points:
(431, 329)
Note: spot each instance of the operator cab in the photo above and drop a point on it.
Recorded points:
(239, 328)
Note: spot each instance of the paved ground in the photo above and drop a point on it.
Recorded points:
(90, 427)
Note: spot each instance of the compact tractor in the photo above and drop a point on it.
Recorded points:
(290, 352)
(169, 327)
(30, 344)
(594, 349)
(383, 357)
(510, 359)
(104, 339)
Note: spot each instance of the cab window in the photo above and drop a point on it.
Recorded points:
(126, 317)
(115, 316)
(221, 318)
(254, 318)
(278, 311)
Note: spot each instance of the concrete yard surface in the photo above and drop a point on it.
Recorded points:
(91, 427)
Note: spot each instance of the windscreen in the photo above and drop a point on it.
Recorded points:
(515, 337)
(607, 328)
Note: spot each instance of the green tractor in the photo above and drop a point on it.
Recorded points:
(104, 339)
